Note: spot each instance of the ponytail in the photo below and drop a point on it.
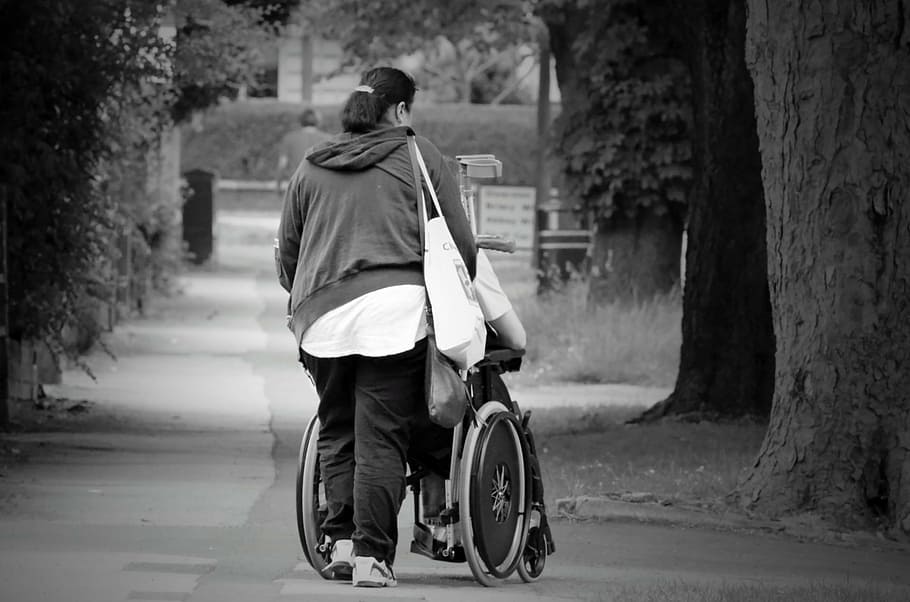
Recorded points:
(379, 89)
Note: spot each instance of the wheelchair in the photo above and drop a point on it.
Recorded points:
(495, 518)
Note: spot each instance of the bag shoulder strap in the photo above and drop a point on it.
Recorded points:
(421, 199)
(426, 178)
(422, 216)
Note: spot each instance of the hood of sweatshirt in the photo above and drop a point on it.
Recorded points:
(356, 152)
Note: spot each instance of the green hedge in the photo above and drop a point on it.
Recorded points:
(240, 140)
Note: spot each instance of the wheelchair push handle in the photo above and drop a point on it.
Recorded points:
(494, 242)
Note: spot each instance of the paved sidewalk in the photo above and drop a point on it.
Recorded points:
(179, 483)
(578, 395)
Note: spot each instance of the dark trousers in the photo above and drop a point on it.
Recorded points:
(372, 413)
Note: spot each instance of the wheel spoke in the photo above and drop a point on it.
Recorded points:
(500, 493)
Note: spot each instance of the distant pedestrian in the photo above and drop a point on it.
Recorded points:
(296, 143)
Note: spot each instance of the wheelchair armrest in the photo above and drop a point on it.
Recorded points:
(494, 242)
(507, 360)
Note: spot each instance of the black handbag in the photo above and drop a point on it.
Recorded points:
(446, 393)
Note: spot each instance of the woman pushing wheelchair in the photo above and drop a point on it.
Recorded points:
(350, 255)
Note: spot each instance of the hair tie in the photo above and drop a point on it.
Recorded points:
(364, 88)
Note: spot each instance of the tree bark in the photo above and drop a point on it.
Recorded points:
(635, 258)
(727, 356)
(832, 88)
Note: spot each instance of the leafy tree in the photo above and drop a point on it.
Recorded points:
(80, 119)
(61, 119)
(442, 73)
(460, 40)
(832, 91)
(270, 12)
(501, 84)
(219, 49)
(679, 69)
(622, 140)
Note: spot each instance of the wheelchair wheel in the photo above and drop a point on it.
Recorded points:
(494, 494)
(311, 507)
(534, 556)
(538, 544)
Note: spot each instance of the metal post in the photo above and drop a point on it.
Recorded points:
(4, 314)
(124, 274)
(543, 131)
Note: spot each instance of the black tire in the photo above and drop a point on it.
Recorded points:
(534, 556)
(310, 499)
(494, 494)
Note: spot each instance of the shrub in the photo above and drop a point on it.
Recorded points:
(67, 109)
(240, 140)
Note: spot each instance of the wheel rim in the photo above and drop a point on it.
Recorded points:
(301, 512)
(484, 571)
(496, 508)
(312, 507)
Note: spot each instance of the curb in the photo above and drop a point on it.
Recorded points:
(647, 509)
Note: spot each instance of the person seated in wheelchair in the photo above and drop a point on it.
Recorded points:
(507, 328)
(507, 332)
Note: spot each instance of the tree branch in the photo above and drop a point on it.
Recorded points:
(513, 85)
(430, 70)
(475, 70)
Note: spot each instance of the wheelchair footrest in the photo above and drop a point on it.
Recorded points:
(425, 545)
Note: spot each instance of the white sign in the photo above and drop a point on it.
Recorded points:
(509, 212)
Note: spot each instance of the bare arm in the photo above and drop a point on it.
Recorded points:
(511, 333)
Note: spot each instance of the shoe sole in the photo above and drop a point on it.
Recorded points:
(339, 571)
(374, 584)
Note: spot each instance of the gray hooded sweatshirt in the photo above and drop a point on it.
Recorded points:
(349, 225)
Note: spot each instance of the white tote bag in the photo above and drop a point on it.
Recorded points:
(458, 323)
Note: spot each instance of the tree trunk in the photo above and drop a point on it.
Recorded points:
(727, 356)
(635, 258)
(465, 74)
(832, 88)
(562, 27)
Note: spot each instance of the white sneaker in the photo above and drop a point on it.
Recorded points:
(369, 572)
(341, 565)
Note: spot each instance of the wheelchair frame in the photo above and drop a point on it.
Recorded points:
(474, 524)
(495, 519)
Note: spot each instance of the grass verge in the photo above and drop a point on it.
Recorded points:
(632, 343)
(590, 451)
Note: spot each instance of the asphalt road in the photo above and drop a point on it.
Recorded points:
(179, 486)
